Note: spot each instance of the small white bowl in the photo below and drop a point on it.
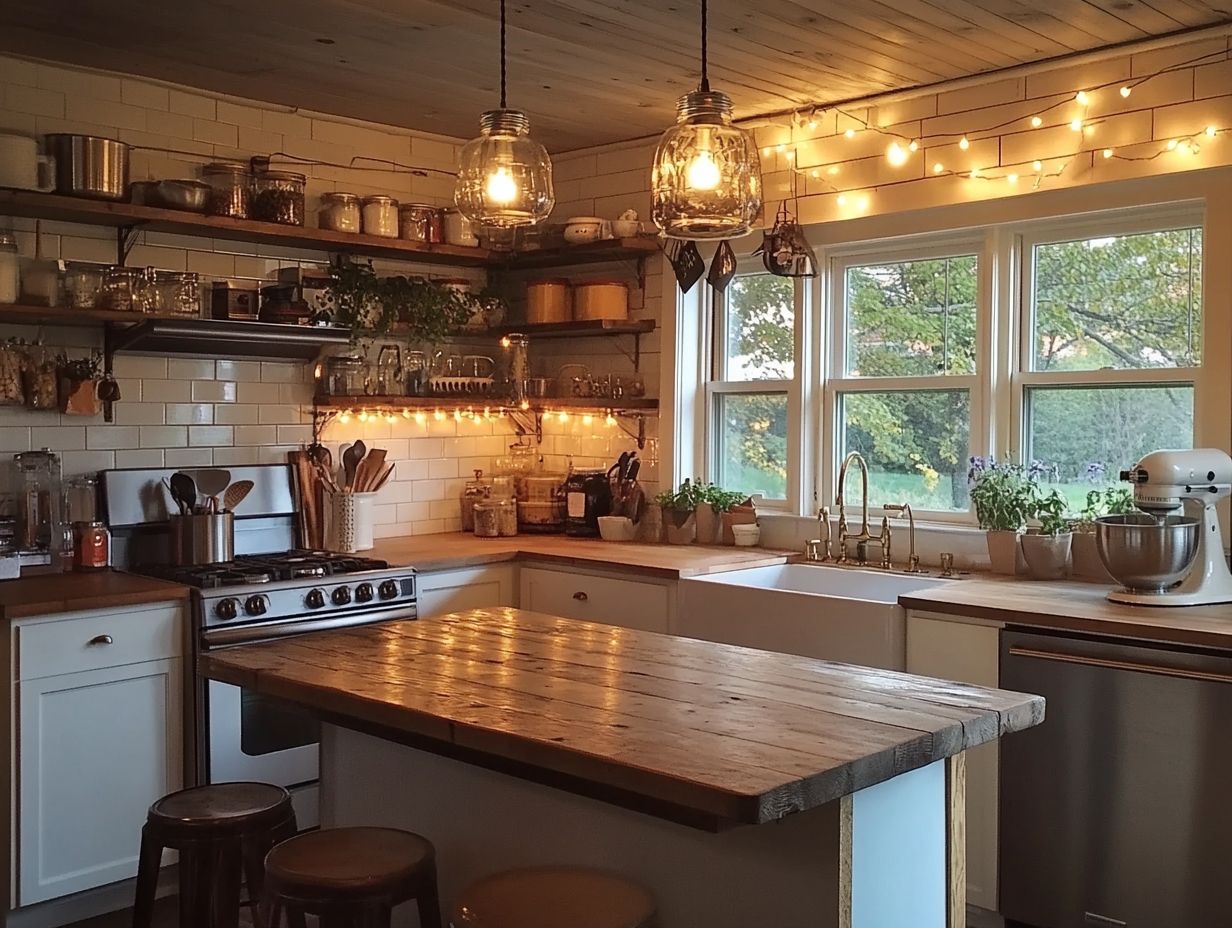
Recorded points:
(746, 535)
(579, 230)
(626, 228)
(616, 528)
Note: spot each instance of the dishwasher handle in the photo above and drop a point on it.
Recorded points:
(1110, 664)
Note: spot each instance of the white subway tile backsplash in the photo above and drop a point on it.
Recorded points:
(443, 468)
(428, 490)
(259, 393)
(111, 437)
(15, 438)
(162, 391)
(281, 372)
(256, 434)
(152, 457)
(189, 414)
(214, 391)
(59, 437)
(235, 414)
(279, 414)
(190, 369)
(192, 457)
(86, 462)
(210, 435)
(225, 369)
(139, 413)
(295, 434)
(128, 365)
(164, 436)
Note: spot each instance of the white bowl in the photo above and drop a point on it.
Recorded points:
(626, 228)
(746, 535)
(582, 229)
(616, 528)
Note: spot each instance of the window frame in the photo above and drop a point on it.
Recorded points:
(838, 384)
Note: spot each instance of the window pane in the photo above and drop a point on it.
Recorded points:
(1086, 435)
(752, 443)
(911, 319)
(1123, 301)
(916, 445)
(761, 326)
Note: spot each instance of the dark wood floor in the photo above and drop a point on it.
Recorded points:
(165, 916)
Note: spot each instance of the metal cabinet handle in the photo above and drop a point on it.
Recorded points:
(101, 639)
(580, 596)
(1110, 664)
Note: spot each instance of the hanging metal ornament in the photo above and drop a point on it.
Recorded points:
(722, 267)
(784, 250)
(686, 262)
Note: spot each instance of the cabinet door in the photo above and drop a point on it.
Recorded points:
(610, 600)
(458, 590)
(967, 653)
(95, 748)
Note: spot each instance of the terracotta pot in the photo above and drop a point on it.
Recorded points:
(679, 528)
(708, 525)
(1047, 556)
(1085, 562)
(1004, 552)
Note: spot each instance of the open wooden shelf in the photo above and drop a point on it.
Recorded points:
(588, 328)
(617, 249)
(480, 400)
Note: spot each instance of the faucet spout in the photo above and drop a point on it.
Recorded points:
(842, 484)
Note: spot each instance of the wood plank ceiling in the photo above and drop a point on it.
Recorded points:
(587, 71)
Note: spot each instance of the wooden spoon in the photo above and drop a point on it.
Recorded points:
(236, 494)
(350, 462)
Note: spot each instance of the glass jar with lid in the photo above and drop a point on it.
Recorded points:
(126, 289)
(380, 216)
(230, 189)
(278, 196)
(176, 292)
(474, 491)
(419, 222)
(42, 378)
(346, 375)
(82, 283)
(10, 269)
(496, 518)
(340, 212)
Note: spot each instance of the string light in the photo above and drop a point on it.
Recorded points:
(1012, 178)
(420, 418)
(1210, 132)
(345, 417)
(1037, 166)
(588, 419)
(842, 199)
(1126, 91)
(938, 168)
(964, 143)
(1076, 124)
(563, 417)
(438, 416)
(975, 172)
(1172, 143)
(780, 148)
(914, 146)
(610, 421)
(1081, 98)
(1107, 152)
(896, 155)
(849, 134)
(1037, 121)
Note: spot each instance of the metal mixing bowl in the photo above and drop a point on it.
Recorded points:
(1146, 554)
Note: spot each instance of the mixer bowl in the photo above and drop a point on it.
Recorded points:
(1146, 554)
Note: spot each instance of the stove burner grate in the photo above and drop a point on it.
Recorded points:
(266, 568)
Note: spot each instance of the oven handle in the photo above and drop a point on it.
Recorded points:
(249, 634)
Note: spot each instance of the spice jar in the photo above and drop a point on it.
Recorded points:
(42, 379)
(346, 375)
(279, 197)
(12, 361)
(230, 189)
(419, 222)
(82, 284)
(381, 216)
(176, 292)
(339, 212)
(126, 289)
(458, 229)
(10, 269)
(474, 491)
(496, 518)
(91, 546)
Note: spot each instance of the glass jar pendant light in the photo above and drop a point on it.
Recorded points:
(504, 176)
(706, 176)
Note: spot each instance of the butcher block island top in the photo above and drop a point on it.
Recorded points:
(708, 734)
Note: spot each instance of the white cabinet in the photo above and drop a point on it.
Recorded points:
(448, 591)
(968, 651)
(611, 599)
(95, 745)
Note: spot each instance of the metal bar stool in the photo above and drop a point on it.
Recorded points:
(222, 832)
(554, 897)
(350, 878)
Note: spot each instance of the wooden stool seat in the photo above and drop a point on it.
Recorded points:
(222, 832)
(554, 897)
(351, 876)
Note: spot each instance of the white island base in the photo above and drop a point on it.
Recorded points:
(888, 856)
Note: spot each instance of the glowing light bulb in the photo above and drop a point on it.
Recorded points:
(1012, 178)
(1037, 121)
(363, 416)
(849, 134)
(1172, 143)
(505, 341)
(1081, 98)
(344, 418)
(1107, 152)
(587, 419)
(406, 413)
(1126, 90)
(702, 173)
(1076, 124)
(842, 199)
(1210, 131)
(420, 418)
(812, 124)
(896, 155)
(524, 405)
(938, 168)
(832, 170)
(975, 172)
(780, 148)
(610, 421)
(563, 417)
(501, 187)
(766, 151)
(1037, 165)
(390, 418)
(457, 416)
(964, 143)
(1186, 147)
(815, 173)
(914, 145)
(438, 416)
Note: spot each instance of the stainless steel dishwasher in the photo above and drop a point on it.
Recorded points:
(1116, 810)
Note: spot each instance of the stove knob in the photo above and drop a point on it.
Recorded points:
(364, 593)
(388, 589)
(256, 605)
(315, 599)
(227, 609)
(341, 595)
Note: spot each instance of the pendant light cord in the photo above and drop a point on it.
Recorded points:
(502, 40)
(705, 85)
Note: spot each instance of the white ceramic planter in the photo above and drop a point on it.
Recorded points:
(679, 528)
(1004, 552)
(1047, 556)
(1085, 562)
(708, 525)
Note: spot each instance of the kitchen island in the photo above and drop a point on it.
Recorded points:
(743, 787)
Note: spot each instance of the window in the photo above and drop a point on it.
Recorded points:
(753, 366)
(904, 358)
(1112, 344)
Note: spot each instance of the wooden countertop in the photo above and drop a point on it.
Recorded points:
(695, 731)
(1079, 607)
(48, 594)
(458, 549)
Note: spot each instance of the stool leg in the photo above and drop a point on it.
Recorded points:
(254, 852)
(295, 916)
(226, 889)
(428, 901)
(269, 912)
(150, 859)
(190, 880)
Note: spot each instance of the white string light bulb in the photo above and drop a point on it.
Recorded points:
(938, 168)
(1012, 178)
(1107, 152)
(914, 146)
(1210, 131)
(896, 154)
(964, 143)
(1076, 124)
(1037, 121)
(1081, 98)
(1172, 143)
(1126, 90)
(1037, 165)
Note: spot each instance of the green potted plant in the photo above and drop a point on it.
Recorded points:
(679, 513)
(1084, 554)
(1046, 550)
(1003, 494)
(713, 503)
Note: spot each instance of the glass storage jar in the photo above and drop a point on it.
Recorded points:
(458, 229)
(419, 222)
(82, 284)
(278, 196)
(126, 289)
(10, 269)
(176, 292)
(12, 362)
(496, 518)
(42, 378)
(230, 189)
(346, 375)
(473, 492)
(339, 212)
(381, 216)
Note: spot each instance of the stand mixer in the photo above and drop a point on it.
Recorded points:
(1150, 553)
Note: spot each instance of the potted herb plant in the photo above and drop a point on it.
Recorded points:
(1046, 551)
(713, 503)
(679, 508)
(1086, 562)
(1003, 495)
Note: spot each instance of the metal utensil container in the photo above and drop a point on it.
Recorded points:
(89, 166)
(203, 539)
(1146, 554)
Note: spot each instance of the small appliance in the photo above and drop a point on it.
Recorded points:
(588, 495)
(1164, 558)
